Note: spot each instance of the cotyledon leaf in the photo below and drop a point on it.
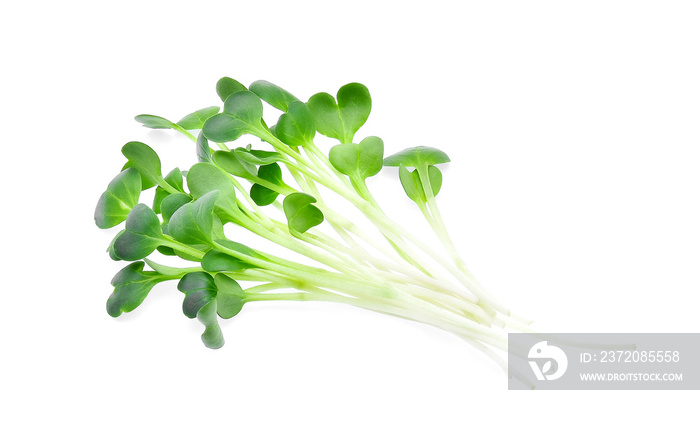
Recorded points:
(141, 236)
(301, 213)
(200, 301)
(193, 223)
(416, 157)
(145, 160)
(362, 160)
(226, 87)
(341, 119)
(196, 119)
(131, 286)
(272, 94)
(116, 202)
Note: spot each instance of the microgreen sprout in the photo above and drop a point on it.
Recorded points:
(278, 191)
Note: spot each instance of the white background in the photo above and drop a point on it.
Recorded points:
(573, 195)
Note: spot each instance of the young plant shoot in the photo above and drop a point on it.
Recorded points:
(279, 189)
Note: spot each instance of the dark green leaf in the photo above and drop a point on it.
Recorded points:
(297, 126)
(116, 202)
(216, 261)
(301, 214)
(193, 223)
(231, 163)
(271, 173)
(274, 95)
(142, 234)
(144, 159)
(230, 297)
(363, 160)
(225, 87)
(165, 250)
(263, 195)
(417, 157)
(154, 122)
(131, 286)
(196, 119)
(200, 302)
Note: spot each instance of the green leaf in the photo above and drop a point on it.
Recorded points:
(110, 249)
(341, 119)
(225, 87)
(216, 261)
(326, 115)
(233, 164)
(158, 198)
(174, 178)
(274, 95)
(172, 203)
(131, 286)
(199, 289)
(212, 337)
(203, 178)
(241, 248)
(196, 119)
(263, 195)
(116, 202)
(413, 186)
(144, 159)
(204, 152)
(165, 250)
(242, 115)
(355, 105)
(230, 297)
(417, 157)
(146, 183)
(223, 128)
(301, 214)
(154, 122)
(246, 107)
(297, 126)
(193, 223)
(257, 157)
(363, 160)
(200, 302)
(141, 236)
(435, 176)
(167, 270)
